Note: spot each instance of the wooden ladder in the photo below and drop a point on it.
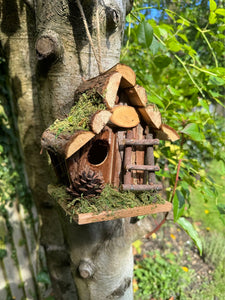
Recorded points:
(148, 168)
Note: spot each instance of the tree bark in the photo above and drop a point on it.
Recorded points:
(48, 55)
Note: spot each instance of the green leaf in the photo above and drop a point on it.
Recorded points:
(204, 104)
(208, 192)
(193, 131)
(183, 36)
(162, 61)
(220, 36)
(156, 100)
(221, 27)
(154, 46)
(187, 226)
(212, 5)
(218, 101)
(128, 18)
(220, 11)
(173, 91)
(214, 94)
(216, 80)
(43, 277)
(184, 21)
(220, 71)
(170, 14)
(174, 45)
(222, 218)
(145, 34)
(218, 47)
(212, 18)
(137, 245)
(178, 205)
(221, 168)
(3, 253)
(221, 208)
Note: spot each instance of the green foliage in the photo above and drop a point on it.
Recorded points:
(7, 179)
(3, 253)
(192, 130)
(183, 72)
(161, 277)
(149, 272)
(43, 277)
(221, 209)
(12, 180)
(144, 34)
(178, 205)
(187, 226)
(207, 207)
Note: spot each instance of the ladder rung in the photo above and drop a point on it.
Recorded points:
(142, 167)
(134, 142)
(142, 187)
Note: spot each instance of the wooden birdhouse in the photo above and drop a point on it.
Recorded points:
(107, 140)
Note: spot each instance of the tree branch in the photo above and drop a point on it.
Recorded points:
(48, 44)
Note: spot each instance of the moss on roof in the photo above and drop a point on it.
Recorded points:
(79, 116)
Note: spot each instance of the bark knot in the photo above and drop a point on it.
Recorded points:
(112, 18)
(48, 45)
(86, 269)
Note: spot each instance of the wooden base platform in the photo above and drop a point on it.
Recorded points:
(87, 218)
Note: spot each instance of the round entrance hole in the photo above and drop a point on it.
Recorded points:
(98, 152)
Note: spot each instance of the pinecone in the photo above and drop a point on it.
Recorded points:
(88, 183)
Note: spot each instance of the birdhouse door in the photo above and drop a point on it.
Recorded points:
(97, 163)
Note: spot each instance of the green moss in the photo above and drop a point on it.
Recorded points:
(110, 200)
(79, 116)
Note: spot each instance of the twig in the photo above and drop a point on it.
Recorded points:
(209, 45)
(190, 76)
(176, 180)
(98, 37)
(171, 200)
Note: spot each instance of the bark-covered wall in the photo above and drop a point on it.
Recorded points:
(49, 54)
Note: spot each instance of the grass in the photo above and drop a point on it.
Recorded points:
(214, 255)
(205, 211)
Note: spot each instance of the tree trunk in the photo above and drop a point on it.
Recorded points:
(48, 55)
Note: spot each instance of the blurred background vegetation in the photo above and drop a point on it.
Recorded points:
(177, 50)
(12, 177)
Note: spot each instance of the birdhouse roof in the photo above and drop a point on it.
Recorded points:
(113, 99)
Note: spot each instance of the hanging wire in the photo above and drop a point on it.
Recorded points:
(97, 55)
